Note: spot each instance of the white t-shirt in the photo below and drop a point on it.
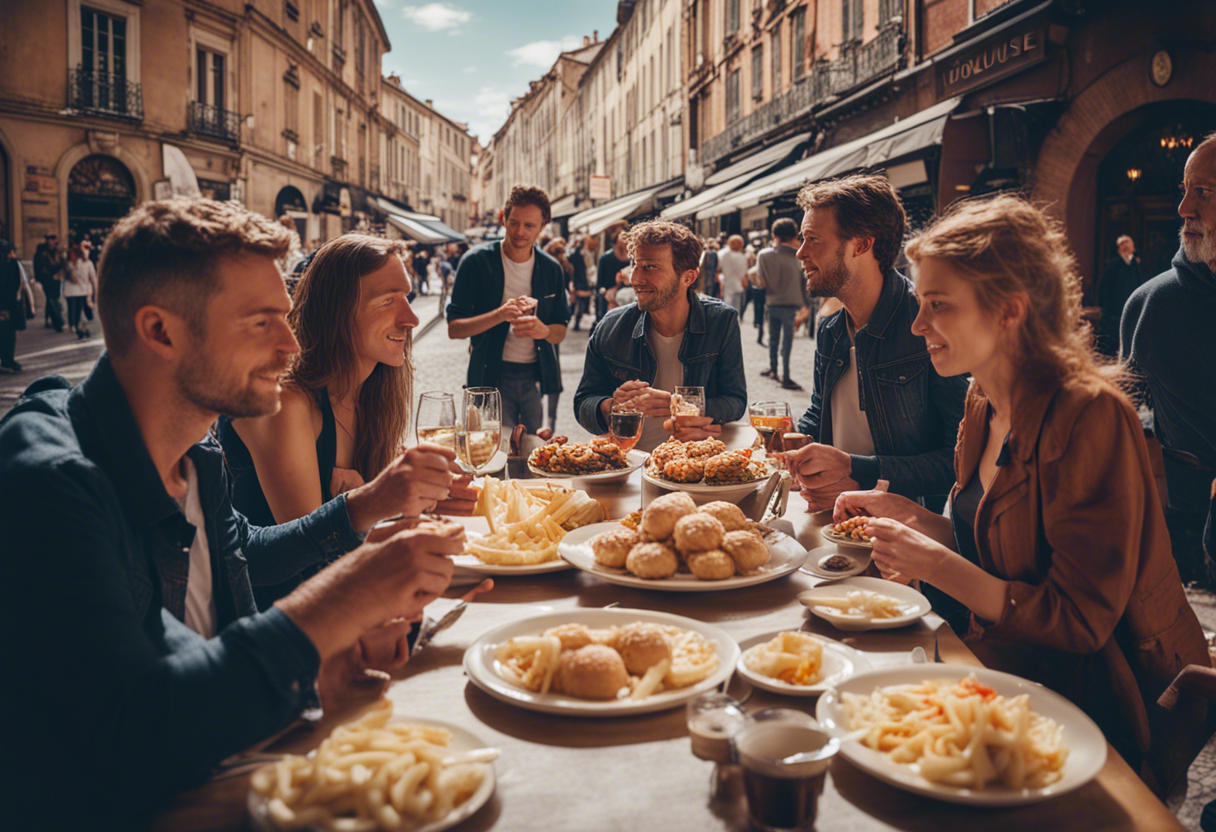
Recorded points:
(200, 599)
(517, 282)
(85, 279)
(668, 376)
(733, 265)
(850, 429)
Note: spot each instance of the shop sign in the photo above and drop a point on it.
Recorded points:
(37, 184)
(601, 187)
(991, 60)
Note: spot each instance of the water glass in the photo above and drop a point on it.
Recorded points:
(436, 419)
(785, 764)
(479, 427)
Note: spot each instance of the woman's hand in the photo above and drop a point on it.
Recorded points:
(900, 550)
(462, 498)
(875, 503)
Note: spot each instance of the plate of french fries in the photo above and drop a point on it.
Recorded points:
(857, 604)
(796, 663)
(379, 772)
(527, 520)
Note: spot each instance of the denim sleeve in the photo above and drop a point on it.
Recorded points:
(931, 472)
(463, 301)
(808, 423)
(146, 709)
(597, 384)
(730, 403)
(277, 553)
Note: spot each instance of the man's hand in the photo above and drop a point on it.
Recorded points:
(692, 428)
(415, 482)
(816, 466)
(823, 499)
(529, 326)
(514, 307)
(462, 498)
(651, 402)
(875, 503)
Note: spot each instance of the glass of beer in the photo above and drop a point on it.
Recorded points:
(785, 764)
(771, 421)
(436, 420)
(625, 425)
(479, 427)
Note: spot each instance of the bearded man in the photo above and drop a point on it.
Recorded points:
(669, 337)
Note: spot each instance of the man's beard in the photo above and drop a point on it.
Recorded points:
(1203, 251)
(826, 284)
(661, 299)
(206, 387)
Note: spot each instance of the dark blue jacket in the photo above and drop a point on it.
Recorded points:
(478, 289)
(111, 691)
(711, 353)
(913, 413)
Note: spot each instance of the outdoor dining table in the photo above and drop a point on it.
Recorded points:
(638, 772)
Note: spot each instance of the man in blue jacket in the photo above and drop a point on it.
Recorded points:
(510, 299)
(134, 658)
(669, 337)
(879, 410)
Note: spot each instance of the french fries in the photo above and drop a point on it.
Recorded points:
(527, 522)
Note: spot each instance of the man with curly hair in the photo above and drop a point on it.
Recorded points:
(670, 336)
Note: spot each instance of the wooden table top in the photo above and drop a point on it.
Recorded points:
(561, 773)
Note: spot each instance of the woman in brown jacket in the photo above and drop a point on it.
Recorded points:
(1056, 542)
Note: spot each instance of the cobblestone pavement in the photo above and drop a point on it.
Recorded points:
(441, 364)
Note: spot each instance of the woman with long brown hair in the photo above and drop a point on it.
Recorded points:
(346, 400)
(1056, 541)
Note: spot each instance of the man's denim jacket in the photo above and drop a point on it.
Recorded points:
(93, 594)
(913, 413)
(711, 354)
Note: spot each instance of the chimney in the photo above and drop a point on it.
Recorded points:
(595, 35)
(394, 78)
(430, 103)
(586, 41)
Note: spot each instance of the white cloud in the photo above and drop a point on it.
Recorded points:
(542, 53)
(437, 17)
(485, 112)
(469, 70)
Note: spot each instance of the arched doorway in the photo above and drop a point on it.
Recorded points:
(101, 191)
(1139, 178)
(291, 202)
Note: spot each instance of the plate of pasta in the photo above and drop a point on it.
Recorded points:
(963, 734)
(797, 663)
(379, 772)
(857, 604)
(601, 663)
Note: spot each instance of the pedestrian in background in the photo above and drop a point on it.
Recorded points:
(784, 283)
(732, 270)
(48, 266)
(80, 290)
(583, 275)
(709, 270)
(611, 264)
(12, 310)
(1121, 276)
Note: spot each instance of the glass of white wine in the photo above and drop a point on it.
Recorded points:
(436, 420)
(479, 427)
(688, 401)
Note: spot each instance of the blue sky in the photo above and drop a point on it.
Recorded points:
(473, 56)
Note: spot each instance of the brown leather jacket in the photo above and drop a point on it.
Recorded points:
(1094, 608)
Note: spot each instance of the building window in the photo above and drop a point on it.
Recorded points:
(852, 19)
(318, 130)
(732, 15)
(103, 44)
(798, 44)
(758, 73)
(209, 71)
(775, 41)
(732, 97)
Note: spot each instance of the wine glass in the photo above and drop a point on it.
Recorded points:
(625, 425)
(479, 427)
(436, 421)
(688, 401)
(771, 420)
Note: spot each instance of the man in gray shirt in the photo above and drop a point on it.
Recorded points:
(784, 288)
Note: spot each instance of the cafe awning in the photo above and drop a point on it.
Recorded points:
(421, 228)
(760, 159)
(899, 139)
(730, 179)
(563, 207)
(595, 220)
(416, 231)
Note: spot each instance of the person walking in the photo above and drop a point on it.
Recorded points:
(1121, 276)
(79, 289)
(48, 265)
(12, 309)
(611, 264)
(709, 270)
(732, 272)
(781, 275)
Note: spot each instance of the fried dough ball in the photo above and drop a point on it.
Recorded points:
(747, 548)
(705, 447)
(714, 565)
(729, 515)
(591, 672)
(572, 636)
(659, 518)
(698, 532)
(642, 646)
(685, 469)
(652, 560)
(612, 547)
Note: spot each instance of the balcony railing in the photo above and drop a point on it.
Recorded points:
(853, 68)
(210, 121)
(105, 94)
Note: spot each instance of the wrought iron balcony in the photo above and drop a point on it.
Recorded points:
(854, 67)
(215, 123)
(106, 94)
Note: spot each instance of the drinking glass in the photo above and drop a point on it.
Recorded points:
(625, 425)
(436, 420)
(785, 764)
(771, 420)
(479, 427)
(688, 401)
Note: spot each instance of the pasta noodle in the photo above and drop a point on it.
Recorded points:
(862, 602)
(960, 733)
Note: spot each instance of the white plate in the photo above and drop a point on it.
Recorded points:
(840, 661)
(480, 664)
(844, 540)
(906, 595)
(1086, 744)
(785, 556)
(861, 561)
(635, 459)
(730, 492)
(471, 564)
(462, 740)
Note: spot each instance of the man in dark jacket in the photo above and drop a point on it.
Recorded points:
(510, 299)
(879, 410)
(1121, 276)
(48, 267)
(1169, 339)
(12, 308)
(669, 337)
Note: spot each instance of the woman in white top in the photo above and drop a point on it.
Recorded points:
(80, 289)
